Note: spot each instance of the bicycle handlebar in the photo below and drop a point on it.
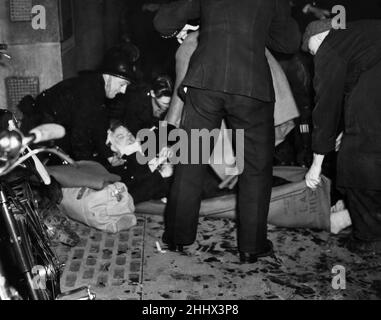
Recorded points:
(13, 143)
(7, 169)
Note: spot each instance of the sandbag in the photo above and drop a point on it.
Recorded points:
(110, 209)
(89, 174)
(293, 205)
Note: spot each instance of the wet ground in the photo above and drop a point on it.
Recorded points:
(311, 265)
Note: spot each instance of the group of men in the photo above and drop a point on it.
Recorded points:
(229, 78)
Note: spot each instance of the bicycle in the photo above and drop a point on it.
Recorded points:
(32, 270)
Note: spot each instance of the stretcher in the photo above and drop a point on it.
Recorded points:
(292, 205)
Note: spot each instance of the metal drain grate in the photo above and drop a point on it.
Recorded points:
(20, 10)
(19, 87)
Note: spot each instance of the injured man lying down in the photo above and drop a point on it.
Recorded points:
(152, 181)
(144, 181)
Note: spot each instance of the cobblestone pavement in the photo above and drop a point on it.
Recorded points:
(111, 264)
(129, 266)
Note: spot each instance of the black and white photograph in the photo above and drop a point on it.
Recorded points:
(183, 157)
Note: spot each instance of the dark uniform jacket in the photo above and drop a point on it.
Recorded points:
(347, 72)
(143, 185)
(78, 104)
(135, 110)
(222, 62)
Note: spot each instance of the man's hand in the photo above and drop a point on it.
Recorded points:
(319, 13)
(161, 163)
(116, 161)
(183, 34)
(166, 153)
(166, 170)
(313, 177)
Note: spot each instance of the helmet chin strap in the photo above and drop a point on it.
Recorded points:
(156, 107)
(108, 85)
(106, 79)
